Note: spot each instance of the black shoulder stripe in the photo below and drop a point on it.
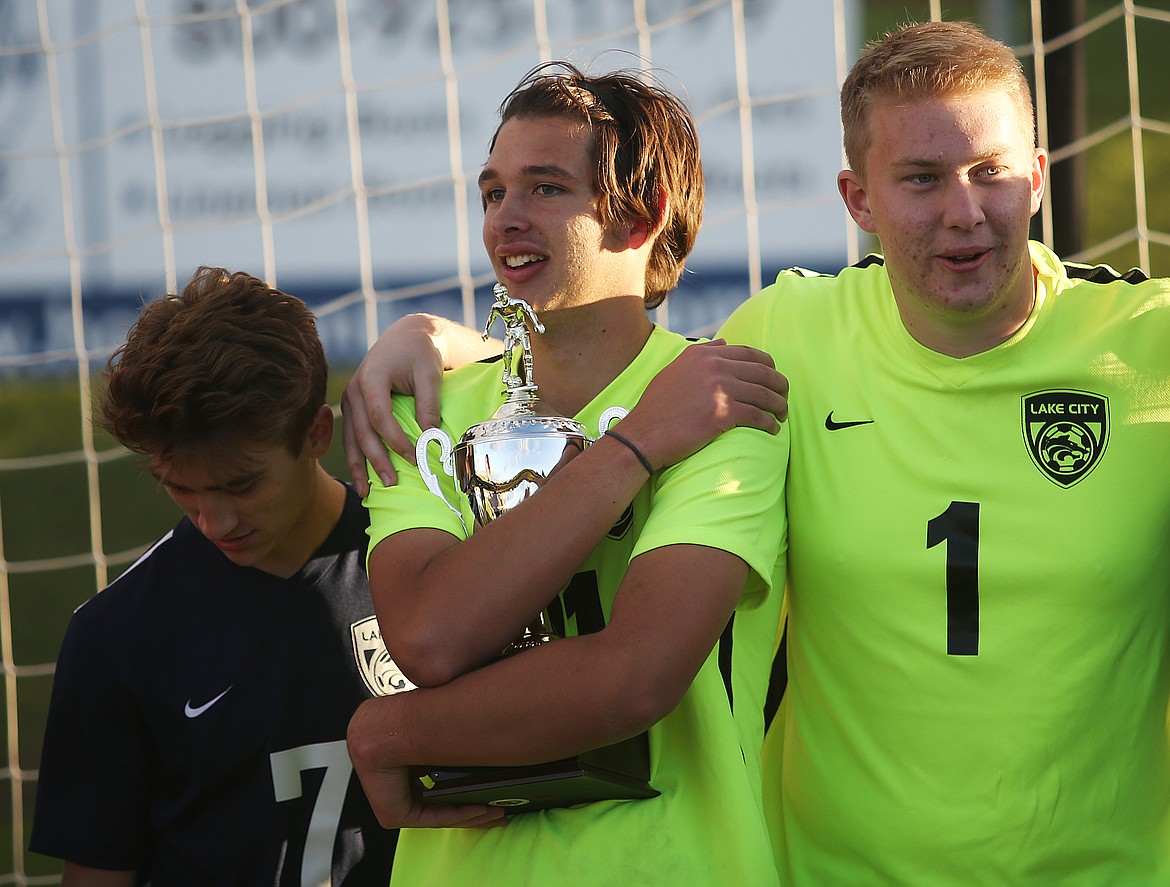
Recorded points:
(1103, 273)
(871, 259)
(725, 652)
(1075, 270)
(778, 681)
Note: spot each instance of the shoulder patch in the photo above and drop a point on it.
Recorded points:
(1066, 432)
(378, 670)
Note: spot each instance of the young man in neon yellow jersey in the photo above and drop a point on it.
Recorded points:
(977, 633)
(979, 576)
(592, 197)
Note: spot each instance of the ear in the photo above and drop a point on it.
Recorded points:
(321, 432)
(856, 199)
(1039, 178)
(643, 230)
(640, 232)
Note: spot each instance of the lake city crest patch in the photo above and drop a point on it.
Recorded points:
(1066, 432)
(378, 670)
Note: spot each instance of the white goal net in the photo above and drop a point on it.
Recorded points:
(331, 147)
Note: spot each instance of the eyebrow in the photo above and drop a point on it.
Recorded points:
(932, 162)
(535, 170)
(241, 480)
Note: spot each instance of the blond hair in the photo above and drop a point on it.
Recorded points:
(929, 60)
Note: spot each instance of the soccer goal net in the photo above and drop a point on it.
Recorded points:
(331, 147)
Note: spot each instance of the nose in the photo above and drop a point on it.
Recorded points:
(507, 215)
(964, 208)
(214, 516)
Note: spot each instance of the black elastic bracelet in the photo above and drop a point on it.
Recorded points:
(633, 449)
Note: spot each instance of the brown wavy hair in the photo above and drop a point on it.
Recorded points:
(645, 144)
(228, 362)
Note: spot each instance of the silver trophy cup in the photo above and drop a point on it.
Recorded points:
(497, 464)
(502, 461)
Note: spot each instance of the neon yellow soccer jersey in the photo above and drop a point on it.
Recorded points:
(706, 827)
(978, 603)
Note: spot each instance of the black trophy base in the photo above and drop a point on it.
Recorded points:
(616, 772)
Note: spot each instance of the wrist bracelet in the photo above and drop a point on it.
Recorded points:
(633, 449)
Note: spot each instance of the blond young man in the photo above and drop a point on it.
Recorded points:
(978, 634)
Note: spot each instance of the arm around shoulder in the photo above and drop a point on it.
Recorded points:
(408, 358)
(706, 390)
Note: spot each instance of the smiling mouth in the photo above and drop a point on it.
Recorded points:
(522, 261)
(965, 258)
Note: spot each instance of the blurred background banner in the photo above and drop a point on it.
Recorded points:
(332, 146)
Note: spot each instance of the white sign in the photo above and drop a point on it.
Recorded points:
(177, 136)
(225, 122)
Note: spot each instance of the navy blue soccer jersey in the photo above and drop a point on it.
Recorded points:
(198, 721)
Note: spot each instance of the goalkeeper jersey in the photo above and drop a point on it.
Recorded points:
(706, 827)
(978, 634)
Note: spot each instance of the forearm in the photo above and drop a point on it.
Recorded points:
(574, 694)
(458, 724)
(457, 344)
(472, 597)
(535, 706)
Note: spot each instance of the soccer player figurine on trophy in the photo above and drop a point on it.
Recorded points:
(497, 464)
(516, 314)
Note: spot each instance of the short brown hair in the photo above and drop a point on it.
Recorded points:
(928, 60)
(229, 361)
(645, 144)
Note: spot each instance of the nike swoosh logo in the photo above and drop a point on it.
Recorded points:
(194, 712)
(837, 426)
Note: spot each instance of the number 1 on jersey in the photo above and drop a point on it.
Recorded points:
(958, 526)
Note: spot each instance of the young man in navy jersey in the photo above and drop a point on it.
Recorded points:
(197, 728)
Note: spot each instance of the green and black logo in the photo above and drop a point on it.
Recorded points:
(1066, 432)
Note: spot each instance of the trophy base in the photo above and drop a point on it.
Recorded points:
(616, 772)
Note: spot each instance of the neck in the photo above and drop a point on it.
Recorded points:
(958, 333)
(958, 339)
(322, 510)
(585, 348)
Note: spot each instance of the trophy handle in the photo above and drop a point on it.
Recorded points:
(429, 477)
(608, 417)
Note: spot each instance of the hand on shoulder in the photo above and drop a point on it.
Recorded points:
(709, 388)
